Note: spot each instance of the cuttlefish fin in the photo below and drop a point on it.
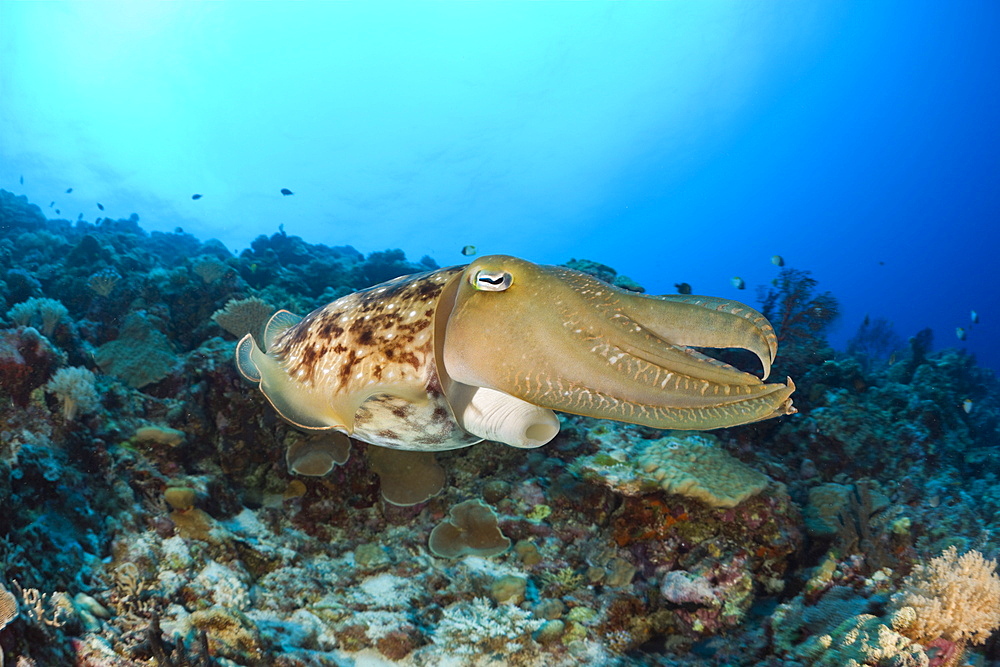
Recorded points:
(279, 323)
(307, 404)
(301, 404)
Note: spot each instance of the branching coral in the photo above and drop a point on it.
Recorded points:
(794, 308)
(875, 342)
(955, 597)
(467, 627)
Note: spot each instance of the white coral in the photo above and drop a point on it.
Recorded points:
(74, 386)
(45, 314)
(478, 627)
(955, 597)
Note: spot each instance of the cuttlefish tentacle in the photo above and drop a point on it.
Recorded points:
(708, 322)
(562, 340)
(702, 321)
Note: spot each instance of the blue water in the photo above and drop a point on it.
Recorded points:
(675, 142)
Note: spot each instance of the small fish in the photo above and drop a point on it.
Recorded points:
(195, 196)
(881, 263)
(69, 190)
(960, 332)
(100, 206)
(58, 212)
(22, 180)
(683, 288)
(738, 283)
(975, 317)
(866, 322)
(79, 217)
(892, 358)
(967, 405)
(469, 250)
(286, 192)
(778, 260)
(51, 204)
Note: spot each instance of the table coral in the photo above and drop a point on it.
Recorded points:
(471, 528)
(688, 464)
(141, 355)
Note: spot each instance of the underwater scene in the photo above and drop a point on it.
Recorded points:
(499, 334)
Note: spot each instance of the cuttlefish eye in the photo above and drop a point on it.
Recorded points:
(491, 281)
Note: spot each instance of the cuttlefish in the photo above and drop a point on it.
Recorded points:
(487, 351)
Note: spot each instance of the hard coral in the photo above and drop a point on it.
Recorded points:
(478, 627)
(317, 454)
(470, 529)
(408, 478)
(687, 464)
(140, 356)
(695, 466)
(837, 628)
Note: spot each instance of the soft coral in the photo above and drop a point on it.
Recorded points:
(800, 316)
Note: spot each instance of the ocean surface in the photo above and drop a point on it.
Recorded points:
(172, 174)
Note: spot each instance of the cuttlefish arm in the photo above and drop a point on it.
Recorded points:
(559, 339)
(706, 321)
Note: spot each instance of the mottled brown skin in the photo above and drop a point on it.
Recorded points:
(355, 329)
(371, 353)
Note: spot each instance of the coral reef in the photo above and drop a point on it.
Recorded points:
(157, 511)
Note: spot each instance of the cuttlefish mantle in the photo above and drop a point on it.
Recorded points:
(445, 359)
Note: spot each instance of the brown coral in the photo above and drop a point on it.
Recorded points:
(471, 529)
